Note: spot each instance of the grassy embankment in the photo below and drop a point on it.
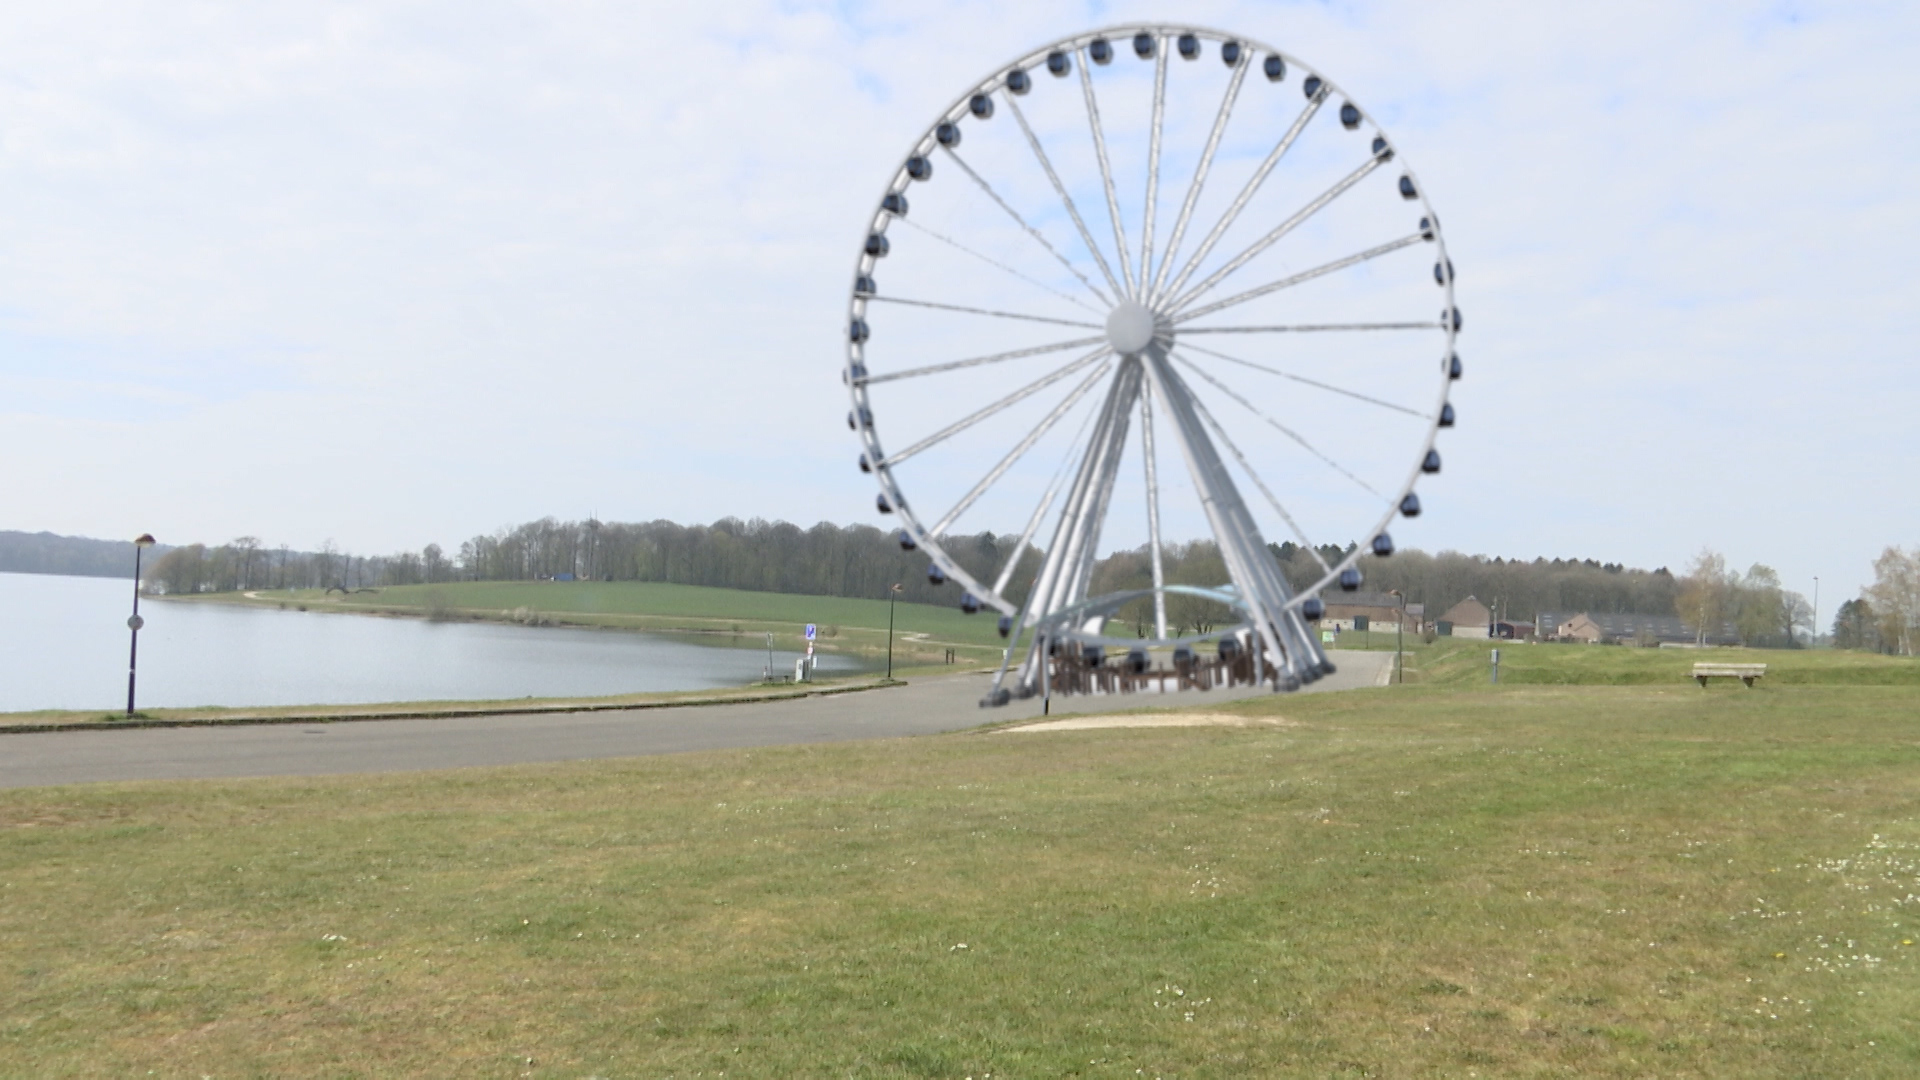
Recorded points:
(210, 715)
(1612, 880)
(922, 632)
(1463, 663)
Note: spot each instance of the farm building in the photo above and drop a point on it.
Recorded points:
(1468, 618)
(1623, 627)
(1380, 610)
(1579, 628)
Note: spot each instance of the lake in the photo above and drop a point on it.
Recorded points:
(63, 645)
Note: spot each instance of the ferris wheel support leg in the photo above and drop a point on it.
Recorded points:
(1153, 512)
(1297, 659)
(1068, 567)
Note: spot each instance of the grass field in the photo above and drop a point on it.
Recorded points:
(1463, 662)
(922, 631)
(1523, 881)
(14, 722)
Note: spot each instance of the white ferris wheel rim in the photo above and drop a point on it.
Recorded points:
(1125, 319)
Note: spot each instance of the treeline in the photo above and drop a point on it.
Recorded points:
(757, 555)
(1886, 616)
(78, 556)
(1514, 588)
(245, 563)
(859, 560)
(1752, 608)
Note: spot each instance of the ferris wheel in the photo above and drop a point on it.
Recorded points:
(1130, 238)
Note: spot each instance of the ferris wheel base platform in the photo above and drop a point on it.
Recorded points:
(1109, 687)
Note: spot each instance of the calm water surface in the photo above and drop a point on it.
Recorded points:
(63, 645)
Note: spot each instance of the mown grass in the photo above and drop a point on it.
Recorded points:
(214, 714)
(1534, 880)
(1465, 662)
(687, 607)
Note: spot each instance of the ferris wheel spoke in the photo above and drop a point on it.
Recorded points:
(982, 311)
(1303, 380)
(1106, 172)
(1278, 426)
(1309, 328)
(1019, 451)
(1319, 203)
(977, 361)
(997, 264)
(1153, 164)
(1247, 467)
(1022, 222)
(1300, 278)
(997, 407)
(1200, 174)
(1073, 210)
(1040, 512)
(1246, 193)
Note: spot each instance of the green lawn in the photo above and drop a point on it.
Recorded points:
(1464, 662)
(1528, 881)
(853, 624)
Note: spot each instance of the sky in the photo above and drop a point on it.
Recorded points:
(399, 273)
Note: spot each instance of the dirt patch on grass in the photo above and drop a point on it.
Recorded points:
(1088, 723)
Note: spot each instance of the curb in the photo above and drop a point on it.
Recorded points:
(432, 714)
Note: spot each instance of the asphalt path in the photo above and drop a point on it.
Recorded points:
(922, 707)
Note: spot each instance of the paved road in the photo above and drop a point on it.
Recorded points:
(923, 707)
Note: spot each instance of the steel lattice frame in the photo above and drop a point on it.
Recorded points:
(1137, 358)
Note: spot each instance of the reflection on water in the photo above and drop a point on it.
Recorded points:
(63, 645)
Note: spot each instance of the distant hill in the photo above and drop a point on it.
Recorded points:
(46, 553)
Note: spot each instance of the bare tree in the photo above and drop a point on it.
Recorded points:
(329, 551)
(245, 548)
(1704, 592)
(1796, 615)
(433, 563)
(1759, 607)
(1895, 594)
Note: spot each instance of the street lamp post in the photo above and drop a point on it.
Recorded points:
(1814, 643)
(135, 622)
(1400, 639)
(892, 593)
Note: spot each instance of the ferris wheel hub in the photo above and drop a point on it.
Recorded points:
(1130, 328)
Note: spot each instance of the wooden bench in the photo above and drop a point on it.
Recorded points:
(1746, 673)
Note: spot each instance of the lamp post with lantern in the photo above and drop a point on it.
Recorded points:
(134, 623)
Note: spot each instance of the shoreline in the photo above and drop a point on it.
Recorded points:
(624, 622)
(499, 617)
(69, 719)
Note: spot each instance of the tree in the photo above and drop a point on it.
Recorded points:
(246, 549)
(329, 552)
(1797, 615)
(181, 571)
(1895, 593)
(433, 563)
(1856, 626)
(1759, 608)
(1704, 592)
